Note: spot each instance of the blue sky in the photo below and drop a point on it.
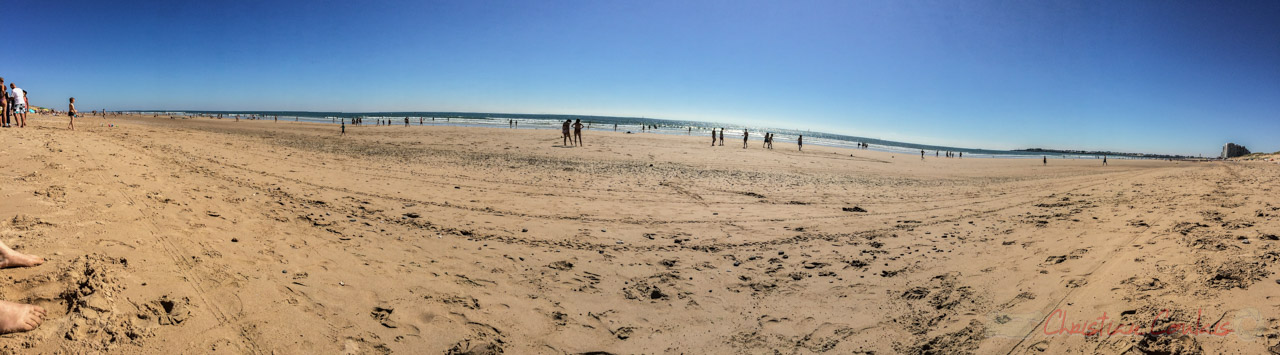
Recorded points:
(1148, 76)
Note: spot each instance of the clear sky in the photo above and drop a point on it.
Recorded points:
(1144, 76)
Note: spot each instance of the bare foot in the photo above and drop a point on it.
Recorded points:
(12, 258)
(17, 317)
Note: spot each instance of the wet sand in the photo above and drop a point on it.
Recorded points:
(214, 236)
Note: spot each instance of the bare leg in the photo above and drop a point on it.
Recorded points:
(12, 258)
(16, 317)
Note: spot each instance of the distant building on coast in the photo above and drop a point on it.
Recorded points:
(1231, 150)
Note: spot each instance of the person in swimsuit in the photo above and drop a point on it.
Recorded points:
(713, 137)
(721, 136)
(564, 131)
(71, 114)
(800, 143)
(577, 131)
(744, 138)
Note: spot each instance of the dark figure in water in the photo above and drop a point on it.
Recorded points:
(406, 122)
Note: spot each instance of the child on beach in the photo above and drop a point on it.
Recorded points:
(71, 114)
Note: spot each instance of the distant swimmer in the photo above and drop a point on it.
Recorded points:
(564, 130)
(800, 142)
(577, 131)
(744, 138)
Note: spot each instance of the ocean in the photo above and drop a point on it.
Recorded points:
(638, 125)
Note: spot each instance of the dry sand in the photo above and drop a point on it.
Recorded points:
(199, 235)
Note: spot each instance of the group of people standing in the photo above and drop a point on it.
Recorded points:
(14, 105)
(576, 138)
(718, 137)
(938, 154)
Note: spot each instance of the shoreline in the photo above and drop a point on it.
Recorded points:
(635, 128)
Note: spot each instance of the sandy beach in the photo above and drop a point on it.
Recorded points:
(214, 236)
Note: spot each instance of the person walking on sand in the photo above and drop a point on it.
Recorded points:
(1104, 160)
(564, 131)
(71, 114)
(1046, 160)
(800, 142)
(344, 127)
(577, 131)
(922, 154)
(713, 137)
(744, 138)
(721, 136)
